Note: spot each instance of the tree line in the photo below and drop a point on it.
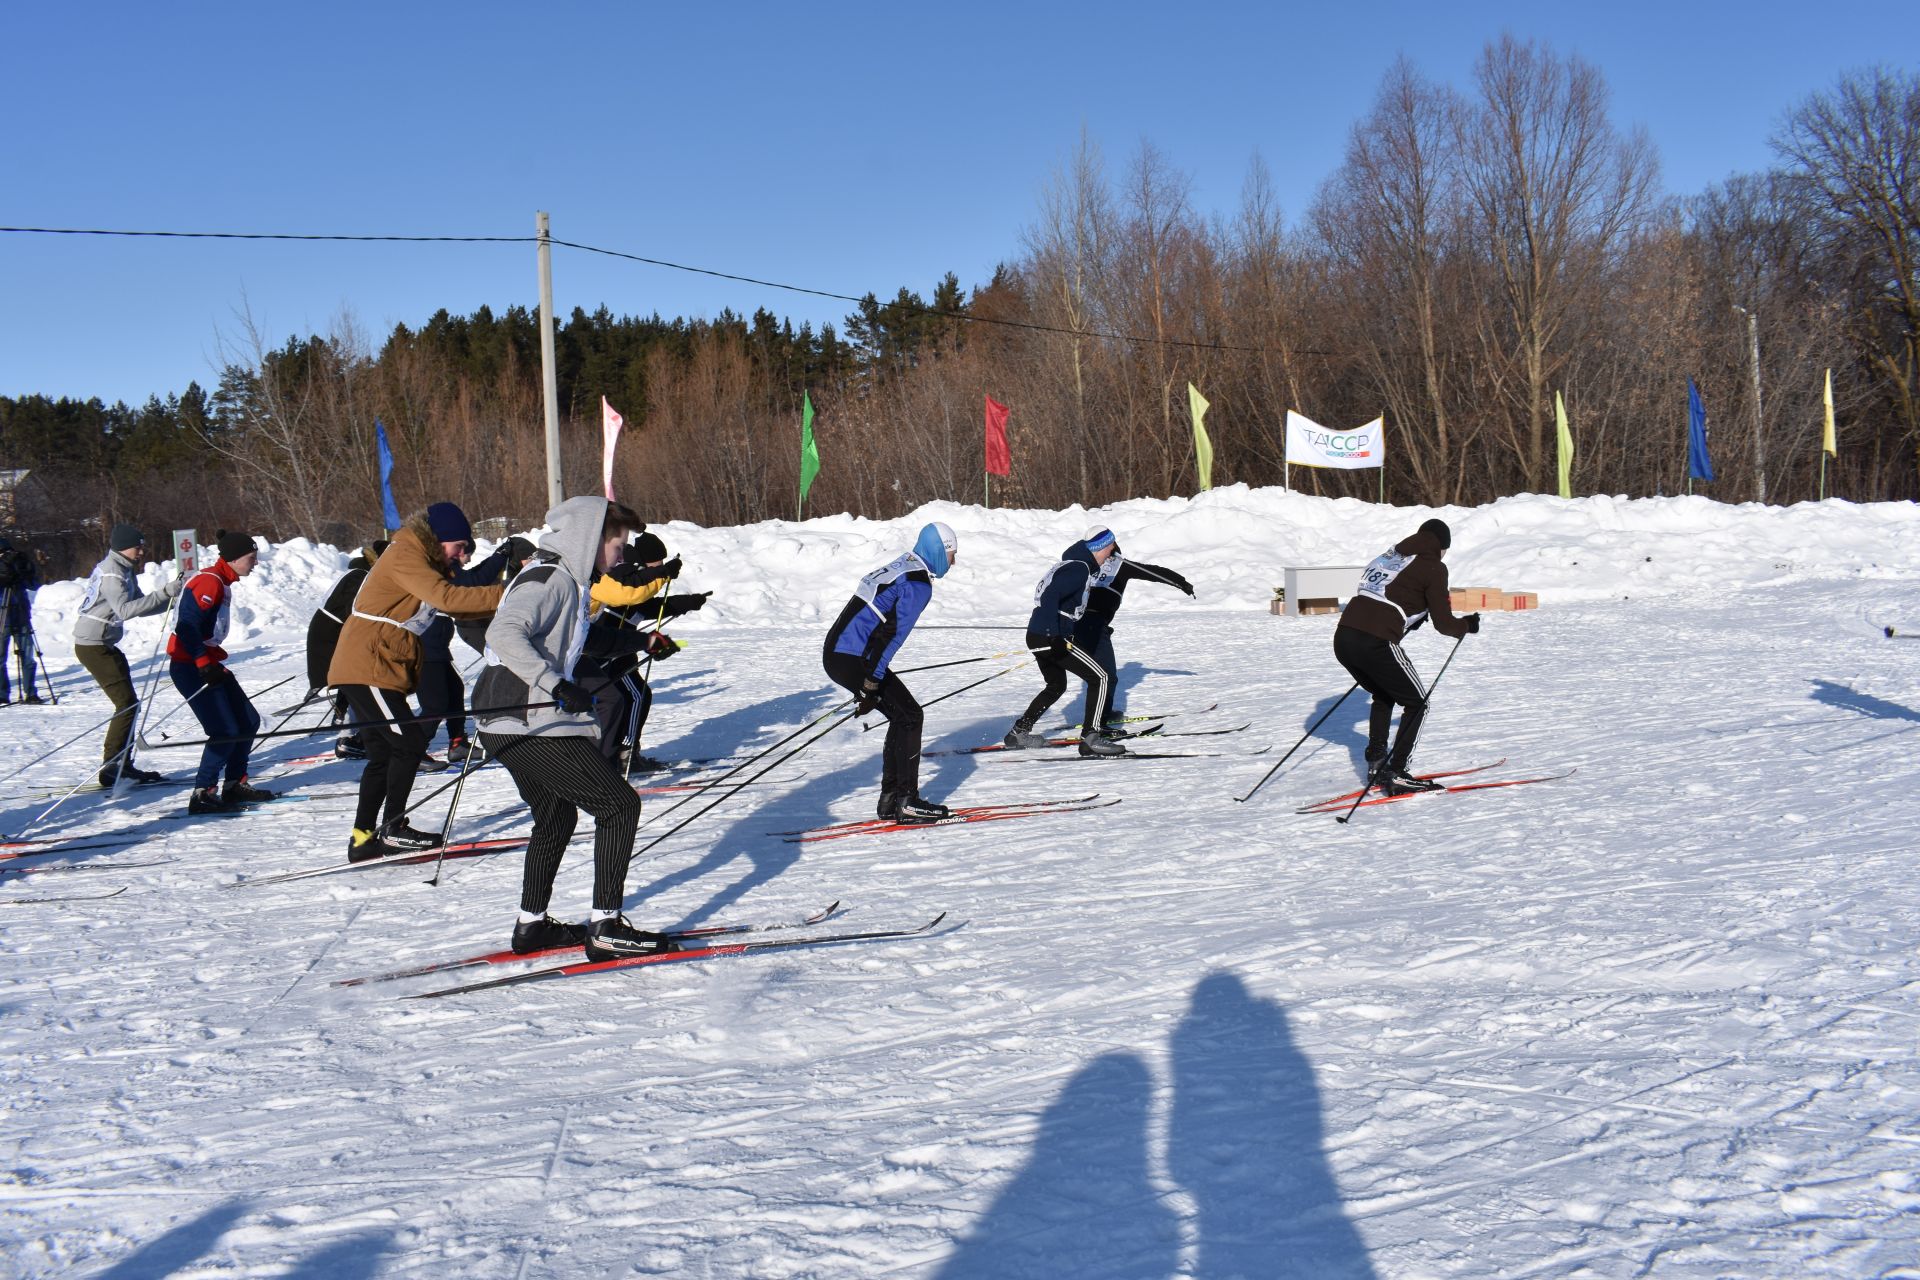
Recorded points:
(1478, 250)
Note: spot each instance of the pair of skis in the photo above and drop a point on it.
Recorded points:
(961, 816)
(688, 944)
(1340, 803)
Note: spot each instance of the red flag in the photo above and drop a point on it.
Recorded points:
(999, 460)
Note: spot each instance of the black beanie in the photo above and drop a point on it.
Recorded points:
(645, 549)
(125, 537)
(232, 546)
(1441, 534)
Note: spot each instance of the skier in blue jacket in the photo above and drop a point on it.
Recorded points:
(1059, 605)
(861, 644)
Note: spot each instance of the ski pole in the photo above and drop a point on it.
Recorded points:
(146, 694)
(748, 763)
(52, 751)
(960, 662)
(1303, 738)
(39, 666)
(357, 724)
(954, 693)
(149, 746)
(453, 807)
(735, 790)
(1373, 775)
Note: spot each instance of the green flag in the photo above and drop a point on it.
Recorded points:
(1202, 446)
(809, 453)
(1565, 449)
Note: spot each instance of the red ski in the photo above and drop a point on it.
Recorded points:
(1351, 796)
(1468, 786)
(510, 956)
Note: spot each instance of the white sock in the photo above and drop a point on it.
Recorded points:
(532, 917)
(599, 915)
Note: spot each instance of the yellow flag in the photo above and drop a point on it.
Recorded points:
(1202, 446)
(1565, 449)
(1826, 441)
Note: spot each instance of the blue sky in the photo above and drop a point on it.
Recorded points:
(845, 148)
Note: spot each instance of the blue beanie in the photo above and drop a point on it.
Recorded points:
(1099, 536)
(449, 523)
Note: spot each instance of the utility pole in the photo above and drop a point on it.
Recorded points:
(1759, 452)
(550, 382)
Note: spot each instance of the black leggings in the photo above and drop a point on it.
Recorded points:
(900, 757)
(443, 695)
(558, 777)
(1383, 671)
(1054, 663)
(393, 753)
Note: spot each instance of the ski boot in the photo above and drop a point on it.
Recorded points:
(399, 837)
(242, 792)
(614, 939)
(432, 764)
(1398, 782)
(1022, 737)
(1100, 744)
(458, 749)
(348, 747)
(207, 800)
(364, 846)
(546, 934)
(915, 810)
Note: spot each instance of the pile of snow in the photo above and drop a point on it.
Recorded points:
(1232, 543)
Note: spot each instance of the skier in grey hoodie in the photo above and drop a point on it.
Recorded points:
(551, 744)
(112, 598)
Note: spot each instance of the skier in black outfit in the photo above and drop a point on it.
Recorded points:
(1405, 586)
(1094, 633)
(323, 633)
(442, 694)
(1059, 644)
(630, 611)
(862, 642)
(19, 579)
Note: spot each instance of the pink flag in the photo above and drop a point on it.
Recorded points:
(610, 424)
(999, 460)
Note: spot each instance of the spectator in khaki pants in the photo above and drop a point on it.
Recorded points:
(113, 598)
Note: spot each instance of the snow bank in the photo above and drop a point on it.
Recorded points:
(1231, 542)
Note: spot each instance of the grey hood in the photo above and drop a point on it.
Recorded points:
(574, 535)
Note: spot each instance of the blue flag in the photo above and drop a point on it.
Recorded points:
(389, 512)
(1699, 465)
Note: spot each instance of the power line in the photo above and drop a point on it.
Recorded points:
(858, 300)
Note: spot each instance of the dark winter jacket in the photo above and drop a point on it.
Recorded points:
(18, 575)
(1060, 601)
(1109, 587)
(323, 629)
(1401, 587)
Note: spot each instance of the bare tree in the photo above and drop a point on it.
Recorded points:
(1557, 190)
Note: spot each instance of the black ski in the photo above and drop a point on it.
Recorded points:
(66, 897)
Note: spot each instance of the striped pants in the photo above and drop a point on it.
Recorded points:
(1383, 671)
(1054, 664)
(558, 777)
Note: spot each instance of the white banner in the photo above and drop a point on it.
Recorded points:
(1311, 445)
(183, 550)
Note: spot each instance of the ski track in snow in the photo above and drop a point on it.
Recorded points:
(1657, 1018)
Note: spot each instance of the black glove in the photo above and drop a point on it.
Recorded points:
(637, 575)
(214, 673)
(1473, 623)
(519, 551)
(671, 568)
(1179, 582)
(675, 606)
(572, 698)
(660, 646)
(1416, 624)
(869, 697)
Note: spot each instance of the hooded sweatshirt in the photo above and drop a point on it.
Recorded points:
(113, 597)
(1399, 588)
(536, 635)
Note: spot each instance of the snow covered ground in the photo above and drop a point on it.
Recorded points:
(1656, 1018)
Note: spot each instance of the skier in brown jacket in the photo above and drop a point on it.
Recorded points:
(1401, 589)
(376, 664)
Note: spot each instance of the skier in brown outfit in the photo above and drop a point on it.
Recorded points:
(1401, 589)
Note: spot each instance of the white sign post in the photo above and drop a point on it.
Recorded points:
(183, 550)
